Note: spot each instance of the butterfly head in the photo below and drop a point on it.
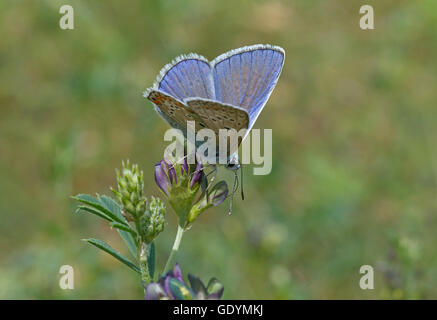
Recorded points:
(232, 163)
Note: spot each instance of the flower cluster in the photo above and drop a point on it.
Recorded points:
(140, 221)
(149, 218)
(152, 221)
(181, 182)
(130, 185)
(172, 286)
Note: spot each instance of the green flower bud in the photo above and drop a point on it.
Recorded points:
(153, 220)
(130, 190)
(214, 197)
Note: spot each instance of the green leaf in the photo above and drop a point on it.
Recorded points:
(108, 249)
(151, 260)
(179, 290)
(108, 207)
(101, 206)
(123, 227)
(93, 211)
(111, 205)
(130, 242)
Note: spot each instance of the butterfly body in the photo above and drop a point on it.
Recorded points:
(226, 93)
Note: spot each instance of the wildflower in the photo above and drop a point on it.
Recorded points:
(148, 217)
(214, 197)
(180, 182)
(172, 286)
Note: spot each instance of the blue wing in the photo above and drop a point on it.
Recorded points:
(246, 77)
(187, 76)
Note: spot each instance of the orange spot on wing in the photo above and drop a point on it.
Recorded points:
(159, 99)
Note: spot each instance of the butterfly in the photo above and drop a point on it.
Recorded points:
(227, 93)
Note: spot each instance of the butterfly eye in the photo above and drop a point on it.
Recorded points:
(232, 166)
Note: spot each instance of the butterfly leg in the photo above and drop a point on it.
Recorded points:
(233, 191)
(213, 172)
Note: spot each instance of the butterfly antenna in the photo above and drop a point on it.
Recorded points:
(233, 191)
(242, 191)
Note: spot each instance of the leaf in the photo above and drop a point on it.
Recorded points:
(108, 249)
(111, 205)
(93, 211)
(108, 207)
(179, 290)
(101, 206)
(123, 227)
(130, 242)
(151, 260)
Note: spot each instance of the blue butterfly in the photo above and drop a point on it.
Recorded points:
(226, 93)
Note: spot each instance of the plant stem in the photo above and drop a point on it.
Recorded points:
(177, 242)
(145, 276)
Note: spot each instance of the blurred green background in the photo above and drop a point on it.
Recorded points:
(354, 158)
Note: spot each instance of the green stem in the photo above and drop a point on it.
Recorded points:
(145, 275)
(177, 242)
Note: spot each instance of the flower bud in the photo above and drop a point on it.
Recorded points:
(161, 177)
(214, 197)
(218, 193)
(130, 190)
(153, 220)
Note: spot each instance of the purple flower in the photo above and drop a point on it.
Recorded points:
(218, 193)
(161, 178)
(180, 182)
(166, 175)
(197, 175)
(172, 286)
(184, 167)
(214, 197)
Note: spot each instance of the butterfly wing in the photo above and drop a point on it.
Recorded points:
(246, 77)
(216, 115)
(241, 81)
(187, 76)
(171, 110)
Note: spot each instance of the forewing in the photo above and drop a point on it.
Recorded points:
(187, 76)
(246, 77)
